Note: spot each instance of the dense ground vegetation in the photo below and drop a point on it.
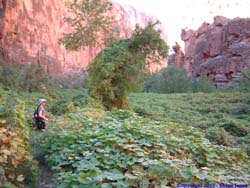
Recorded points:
(94, 148)
(245, 80)
(26, 77)
(160, 145)
(173, 79)
(223, 117)
(17, 167)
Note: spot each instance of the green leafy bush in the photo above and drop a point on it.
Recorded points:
(202, 84)
(236, 128)
(70, 103)
(119, 70)
(245, 143)
(73, 81)
(61, 107)
(219, 136)
(244, 82)
(17, 169)
(176, 80)
(26, 77)
(242, 109)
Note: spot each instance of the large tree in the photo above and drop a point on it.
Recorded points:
(91, 23)
(120, 69)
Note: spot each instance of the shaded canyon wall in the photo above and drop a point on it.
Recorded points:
(30, 29)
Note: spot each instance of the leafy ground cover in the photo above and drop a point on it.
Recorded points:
(223, 117)
(85, 146)
(93, 148)
(17, 167)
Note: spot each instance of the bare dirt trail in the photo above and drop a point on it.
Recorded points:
(46, 176)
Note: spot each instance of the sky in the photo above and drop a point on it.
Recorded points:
(176, 15)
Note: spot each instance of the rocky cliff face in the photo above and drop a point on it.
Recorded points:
(220, 50)
(30, 29)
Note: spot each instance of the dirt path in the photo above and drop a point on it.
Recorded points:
(46, 176)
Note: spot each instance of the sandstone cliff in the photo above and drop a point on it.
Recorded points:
(30, 29)
(220, 50)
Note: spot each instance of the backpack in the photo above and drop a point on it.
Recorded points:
(35, 114)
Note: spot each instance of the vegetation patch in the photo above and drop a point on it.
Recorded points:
(17, 167)
(125, 150)
(225, 115)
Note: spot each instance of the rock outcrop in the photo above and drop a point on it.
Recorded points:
(30, 29)
(220, 50)
(178, 56)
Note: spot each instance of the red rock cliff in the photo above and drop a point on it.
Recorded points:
(30, 29)
(220, 49)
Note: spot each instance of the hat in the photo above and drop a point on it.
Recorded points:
(40, 101)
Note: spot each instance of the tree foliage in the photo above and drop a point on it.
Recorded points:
(119, 70)
(176, 80)
(26, 77)
(91, 24)
(245, 80)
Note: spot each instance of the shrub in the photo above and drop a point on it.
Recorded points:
(71, 101)
(141, 111)
(169, 80)
(17, 169)
(219, 136)
(8, 75)
(73, 81)
(176, 80)
(151, 83)
(244, 82)
(242, 109)
(245, 143)
(236, 128)
(202, 84)
(61, 107)
(26, 77)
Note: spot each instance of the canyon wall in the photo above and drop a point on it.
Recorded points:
(220, 50)
(30, 29)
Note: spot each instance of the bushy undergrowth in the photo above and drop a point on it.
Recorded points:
(86, 146)
(73, 81)
(70, 101)
(121, 149)
(26, 77)
(244, 82)
(224, 117)
(176, 80)
(17, 168)
(220, 136)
